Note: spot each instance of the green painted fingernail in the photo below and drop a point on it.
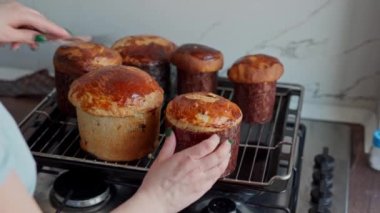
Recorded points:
(168, 132)
(230, 141)
(40, 38)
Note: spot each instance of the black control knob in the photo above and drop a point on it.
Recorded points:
(221, 205)
(322, 195)
(324, 160)
(319, 176)
(319, 209)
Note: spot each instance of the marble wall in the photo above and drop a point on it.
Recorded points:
(331, 47)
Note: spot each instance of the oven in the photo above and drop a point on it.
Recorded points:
(267, 177)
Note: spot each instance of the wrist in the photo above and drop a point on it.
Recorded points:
(151, 202)
(142, 201)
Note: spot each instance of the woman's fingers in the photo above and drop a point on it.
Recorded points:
(43, 25)
(213, 164)
(203, 148)
(23, 35)
(203, 180)
(15, 45)
(201, 174)
(33, 46)
(193, 162)
(216, 157)
(20, 24)
(30, 10)
(168, 148)
(189, 159)
(214, 173)
(190, 172)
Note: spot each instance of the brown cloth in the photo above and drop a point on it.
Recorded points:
(39, 83)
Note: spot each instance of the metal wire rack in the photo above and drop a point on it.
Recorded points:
(266, 152)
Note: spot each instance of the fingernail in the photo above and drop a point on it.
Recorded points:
(40, 38)
(15, 48)
(168, 132)
(230, 141)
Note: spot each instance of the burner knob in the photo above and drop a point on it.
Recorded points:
(319, 209)
(322, 195)
(319, 176)
(221, 205)
(324, 161)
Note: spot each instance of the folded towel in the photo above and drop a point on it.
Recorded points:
(39, 83)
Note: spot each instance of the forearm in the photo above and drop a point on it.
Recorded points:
(14, 196)
(140, 202)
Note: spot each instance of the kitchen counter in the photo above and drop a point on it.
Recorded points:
(20, 107)
(335, 137)
(364, 182)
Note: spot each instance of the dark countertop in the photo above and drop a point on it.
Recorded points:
(364, 182)
(20, 107)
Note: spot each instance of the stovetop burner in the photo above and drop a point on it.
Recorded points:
(75, 189)
(221, 205)
(220, 201)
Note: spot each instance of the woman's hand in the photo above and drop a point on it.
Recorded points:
(20, 24)
(174, 181)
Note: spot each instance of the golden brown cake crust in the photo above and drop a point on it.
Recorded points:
(119, 139)
(141, 50)
(202, 112)
(82, 57)
(116, 91)
(256, 69)
(197, 58)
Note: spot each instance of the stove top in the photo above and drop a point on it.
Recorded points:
(101, 198)
(320, 134)
(79, 189)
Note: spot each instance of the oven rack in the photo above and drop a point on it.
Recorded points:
(266, 152)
